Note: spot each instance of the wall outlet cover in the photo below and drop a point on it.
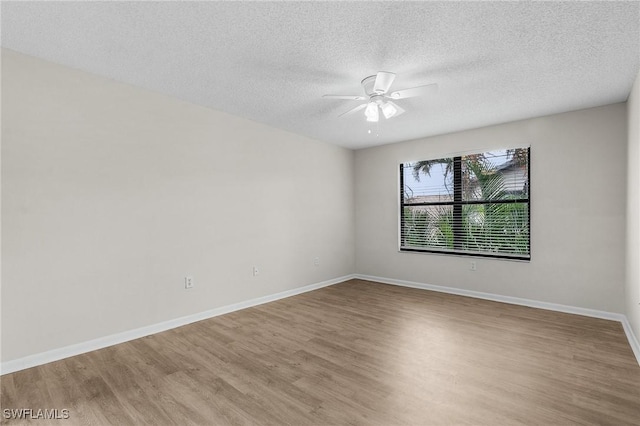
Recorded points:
(188, 282)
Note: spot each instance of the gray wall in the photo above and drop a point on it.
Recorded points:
(112, 194)
(578, 173)
(633, 210)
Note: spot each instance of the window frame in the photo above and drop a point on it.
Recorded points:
(457, 206)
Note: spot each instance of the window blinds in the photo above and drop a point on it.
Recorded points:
(476, 204)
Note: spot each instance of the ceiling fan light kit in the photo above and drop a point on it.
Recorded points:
(376, 88)
(388, 110)
(371, 112)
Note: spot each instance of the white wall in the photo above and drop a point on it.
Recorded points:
(578, 173)
(633, 209)
(111, 194)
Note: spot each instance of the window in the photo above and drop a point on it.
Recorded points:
(475, 204)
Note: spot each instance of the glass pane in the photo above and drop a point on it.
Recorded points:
(428, 227)
(496, 228)
(428, 181)
(495, 175)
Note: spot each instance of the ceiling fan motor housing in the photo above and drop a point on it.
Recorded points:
(367, 84)
(378, 99)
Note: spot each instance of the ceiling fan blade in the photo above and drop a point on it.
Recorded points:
(352, 110)
(348, 97)
(399, 110)
(414, 91)
(383, 81)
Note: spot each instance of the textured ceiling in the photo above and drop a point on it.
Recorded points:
(272, 61)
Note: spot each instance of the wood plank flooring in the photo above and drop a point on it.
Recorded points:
(357, 353)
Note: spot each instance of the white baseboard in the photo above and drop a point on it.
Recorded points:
(633, 342)
(635, 346)
(103, 342)
(114, 339)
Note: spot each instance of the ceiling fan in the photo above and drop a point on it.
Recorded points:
(376, 89)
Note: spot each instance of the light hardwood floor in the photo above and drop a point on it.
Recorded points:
(354, 353)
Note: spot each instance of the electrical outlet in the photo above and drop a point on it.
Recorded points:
(316, 261)
(255, 271)
(473, 265)
(188, 282)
